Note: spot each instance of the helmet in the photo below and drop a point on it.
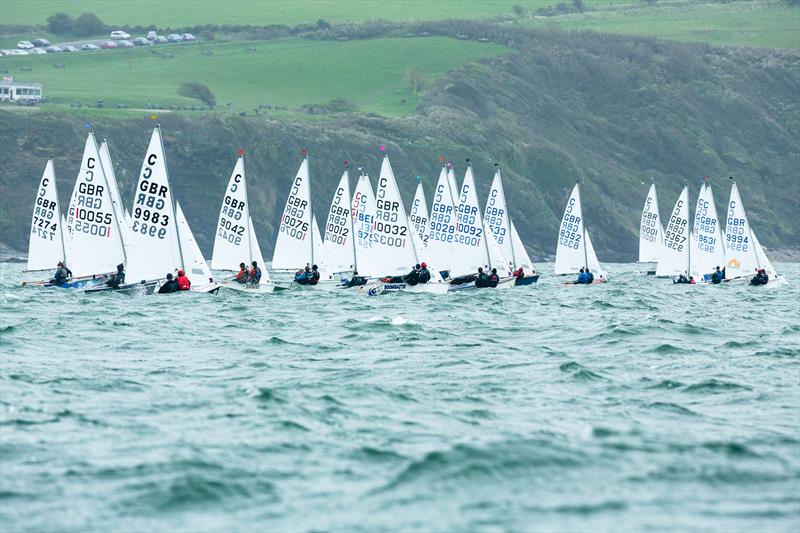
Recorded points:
(169, 275)
(180, 272)
(314, 267)
(424, 264)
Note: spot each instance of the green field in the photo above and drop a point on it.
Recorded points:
(373, 74)
(173, 13)
(768, 23)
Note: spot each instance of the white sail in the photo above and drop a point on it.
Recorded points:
(364, 225)
(153, 245)
(591, 258)
(709, 247)
(740, 254)
(95, 233)
(763, 260)
(391, 237)
(470, 247)
(339, 246)
(119, 208)
(194, 263)
(419, 215)
(570, 253)
(675, 254)
(442, 227)
(651, 234)
(46, 244)
(520, 253)
(451, 181)
(293, 247)
(319, 257)
(233, 241)
(496, 219)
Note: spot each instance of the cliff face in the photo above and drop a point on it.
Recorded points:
(611, 111)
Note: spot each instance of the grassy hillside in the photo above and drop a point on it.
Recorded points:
(771, 23)
(175, 13)
(612, 111)
(375, 75)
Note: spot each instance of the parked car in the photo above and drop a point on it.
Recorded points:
(119, 34)
(124, 44)
(70, 48)
(188, 37)
(141, 41)
(5, 52)
(52, 49)
(151, 35)
(174, 38)
(160, 39)
(17, 52)
(24, 45)
(37, 51)
(40, 42)
(90, 46)
(108, 44)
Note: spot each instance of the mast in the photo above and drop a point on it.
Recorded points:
(352, 226)
(585, 246)
(248, 221)
(507, 215)
(174, 205)
(115, 211)
(59, 222)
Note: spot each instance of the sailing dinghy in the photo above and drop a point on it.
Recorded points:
(709, 247)
(295, 247)
(94, 232)
(497, 221)
(235, 241)
(442, 226)
(575, 250)
(743, 252)
(339, 230)
(651, 233)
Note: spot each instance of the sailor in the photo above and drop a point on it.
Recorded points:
(62, 274)
(412, 278)
(494, 279)
(483, 279)
(692, 281)
(242, 276)
(761, 278)
(254, 276)
(302, 276)
(171, 285)
(183, 282)
(314, 275)
(681, 279)
(717, 276)
(117, 278)
(519, 273)
(583, 277)
(424, 274)
(355, 280)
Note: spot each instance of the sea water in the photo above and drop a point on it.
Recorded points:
(634, 405)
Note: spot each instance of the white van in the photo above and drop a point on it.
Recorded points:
(119, 34)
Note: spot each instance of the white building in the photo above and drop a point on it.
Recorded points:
(20, 90)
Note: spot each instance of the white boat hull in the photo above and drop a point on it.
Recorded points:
(261, 288)
(379, 287)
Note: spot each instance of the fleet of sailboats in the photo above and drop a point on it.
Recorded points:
(367, 235)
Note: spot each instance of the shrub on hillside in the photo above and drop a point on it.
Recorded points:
(87, 25)
(195, 89)
(59, 24)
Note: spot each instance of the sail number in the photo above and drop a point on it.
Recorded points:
(43, 213)
(674, 234)
(569, 235)
(292, 222)
(151, 212)
(648, 231)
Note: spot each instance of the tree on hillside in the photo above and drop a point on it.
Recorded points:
(87, 25)
(59, 24)
(518, 10)
(195, 89)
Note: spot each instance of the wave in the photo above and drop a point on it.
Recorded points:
(714, 386)
(579, 372)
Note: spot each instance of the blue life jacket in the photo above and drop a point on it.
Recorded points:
(583, 278)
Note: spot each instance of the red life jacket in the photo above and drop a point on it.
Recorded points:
(183, 283)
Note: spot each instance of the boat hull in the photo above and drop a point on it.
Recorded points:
(504, 283)
(380, 287)
(131, 289)
(261, 288)
(527, 280)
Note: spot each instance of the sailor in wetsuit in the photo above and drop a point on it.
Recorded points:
(717, 276)
(171, 285)
(254, 276)
(62, 275)
(118, 278)
(424, 275)
(761, 278)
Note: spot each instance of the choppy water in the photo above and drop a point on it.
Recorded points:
(634, 405)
